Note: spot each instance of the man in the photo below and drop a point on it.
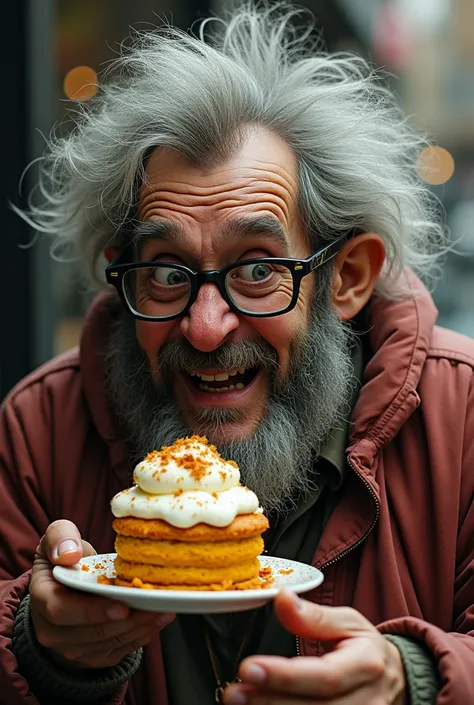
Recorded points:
(261, 215)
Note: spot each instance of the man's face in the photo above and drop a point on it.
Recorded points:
(202, 205)
(296, 368)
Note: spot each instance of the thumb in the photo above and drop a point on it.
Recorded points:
(62, 544)
(312, 621)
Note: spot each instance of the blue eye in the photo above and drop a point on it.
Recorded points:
(167, 276)
(254, 272)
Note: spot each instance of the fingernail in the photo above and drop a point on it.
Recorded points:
(66, 546)
(235, 697)
(255, 674)
(117, 612)
(297, 602)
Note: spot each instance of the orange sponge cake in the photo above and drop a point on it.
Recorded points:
(188, 523)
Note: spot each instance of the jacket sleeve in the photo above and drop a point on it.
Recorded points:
(454, 651)
(24, 517)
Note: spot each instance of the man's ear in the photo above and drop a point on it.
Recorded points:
(356, 272)
(110, 253)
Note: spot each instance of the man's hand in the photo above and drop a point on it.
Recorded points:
(362, 667)
(79, 630)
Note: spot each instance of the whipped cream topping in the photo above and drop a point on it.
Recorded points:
(186, 509)
(189, 464)
(186, 484)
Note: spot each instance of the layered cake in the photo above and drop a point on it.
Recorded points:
(188, 523)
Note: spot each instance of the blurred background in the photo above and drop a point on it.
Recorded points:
(52, 51)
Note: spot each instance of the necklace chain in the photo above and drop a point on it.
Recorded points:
(221, 686)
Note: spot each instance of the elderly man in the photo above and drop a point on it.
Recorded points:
(262, 220)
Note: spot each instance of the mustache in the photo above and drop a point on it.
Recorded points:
(181, 356)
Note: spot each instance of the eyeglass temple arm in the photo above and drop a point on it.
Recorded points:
(327, 254)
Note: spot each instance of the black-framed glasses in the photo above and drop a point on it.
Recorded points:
(258, 287)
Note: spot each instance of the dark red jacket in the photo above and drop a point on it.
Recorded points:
(399, 547)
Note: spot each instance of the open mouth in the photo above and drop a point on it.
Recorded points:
(224, 381)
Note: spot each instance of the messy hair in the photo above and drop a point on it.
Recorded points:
(260, 65)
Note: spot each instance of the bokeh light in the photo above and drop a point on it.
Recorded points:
(435, 165)
(80, 83)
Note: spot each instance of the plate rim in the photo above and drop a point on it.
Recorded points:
(188, 595)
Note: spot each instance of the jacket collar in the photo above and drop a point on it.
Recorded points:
(399, 334)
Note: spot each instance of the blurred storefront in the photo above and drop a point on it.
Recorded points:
(59, 46)
(54, 50)
(429, 46)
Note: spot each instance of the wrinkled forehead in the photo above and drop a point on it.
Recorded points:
(255, 186)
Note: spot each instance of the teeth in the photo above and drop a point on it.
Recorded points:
(220, 376)
(218, 390)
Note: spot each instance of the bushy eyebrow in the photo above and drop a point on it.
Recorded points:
(243, 226)
(239, 227)
(160, 229)
(156, 230)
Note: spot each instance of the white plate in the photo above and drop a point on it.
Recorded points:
(302, 578)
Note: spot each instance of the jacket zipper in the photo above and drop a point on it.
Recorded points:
(357, 543)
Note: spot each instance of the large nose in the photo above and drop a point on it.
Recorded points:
(209, 320)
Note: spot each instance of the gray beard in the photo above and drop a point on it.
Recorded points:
(276, 461)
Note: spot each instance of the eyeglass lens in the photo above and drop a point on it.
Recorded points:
(162, 291)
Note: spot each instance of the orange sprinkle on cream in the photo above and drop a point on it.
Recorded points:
(197, 467)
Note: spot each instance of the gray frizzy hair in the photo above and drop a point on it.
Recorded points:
(356, 153)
